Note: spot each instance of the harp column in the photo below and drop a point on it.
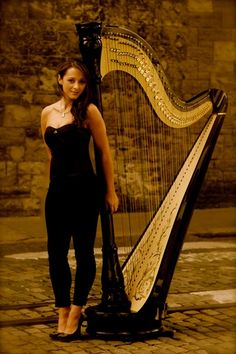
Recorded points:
(113, 290)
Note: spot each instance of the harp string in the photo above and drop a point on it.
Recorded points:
(159, 142)
(144, 148)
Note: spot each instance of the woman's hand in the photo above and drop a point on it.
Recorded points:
(112, 201)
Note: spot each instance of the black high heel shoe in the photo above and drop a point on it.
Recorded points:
(55, 335)
(63, 337)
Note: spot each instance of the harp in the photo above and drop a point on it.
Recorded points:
(161, 146)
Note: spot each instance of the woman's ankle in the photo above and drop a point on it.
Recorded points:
(75, 310)
(64, 313)
(73, 319)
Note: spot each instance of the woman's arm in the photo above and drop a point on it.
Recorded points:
(44, 118)
(97, 127)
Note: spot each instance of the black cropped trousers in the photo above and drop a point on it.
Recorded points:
(71, 212)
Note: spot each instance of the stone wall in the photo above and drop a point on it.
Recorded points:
(195, 41)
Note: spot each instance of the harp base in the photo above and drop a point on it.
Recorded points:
(125, 326)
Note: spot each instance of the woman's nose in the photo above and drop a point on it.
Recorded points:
(76, 84)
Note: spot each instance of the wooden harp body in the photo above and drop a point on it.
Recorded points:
(161, 148)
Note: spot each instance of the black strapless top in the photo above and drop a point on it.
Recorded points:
(69, 146)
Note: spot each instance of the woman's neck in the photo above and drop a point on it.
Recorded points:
(65, 104)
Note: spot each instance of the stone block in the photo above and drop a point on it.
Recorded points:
(191, 88)
(48, 80)
(231, 183)
(68, 43)
(200, 5)
(3, 153)
(204, 75)
(203, 53)
(37, 184)
(16, 83)
(225, 51)
(24, 167)
(8, 10)
(11, 136)
(223, 81)
(33, 168)
(16, 153)
(221, 67)
(231, 97)
(37, 11)
(18, 116)
(44, 99)
(228, 12)
(11, 206)
(8, 175)
(24, 183)
(31, 205)
(205, 20)
(228, 128)
(35, 150)
(190, 69)
(214, 34)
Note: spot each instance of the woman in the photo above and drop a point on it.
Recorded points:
(72, 207)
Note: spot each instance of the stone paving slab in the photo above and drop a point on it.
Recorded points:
(201, 299)
(201, 324)
(201, 332)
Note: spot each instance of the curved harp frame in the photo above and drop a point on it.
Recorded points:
(147, 272)
(124, 50)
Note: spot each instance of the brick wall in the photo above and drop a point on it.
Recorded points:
(195, 41)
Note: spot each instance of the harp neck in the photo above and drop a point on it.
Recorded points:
(116, 48)
(125, 51)
(90, 45)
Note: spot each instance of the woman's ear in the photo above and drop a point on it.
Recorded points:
(59, 79)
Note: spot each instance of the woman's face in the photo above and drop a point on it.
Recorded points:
(73, 83)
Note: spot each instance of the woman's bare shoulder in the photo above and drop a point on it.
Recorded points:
(46, 112)
(93, 116)
(92, 108)
(94, 120)
(93, 113)
(48, 109)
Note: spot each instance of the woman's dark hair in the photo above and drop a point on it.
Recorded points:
(79, 106)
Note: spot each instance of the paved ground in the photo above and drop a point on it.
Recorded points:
(201, 301)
